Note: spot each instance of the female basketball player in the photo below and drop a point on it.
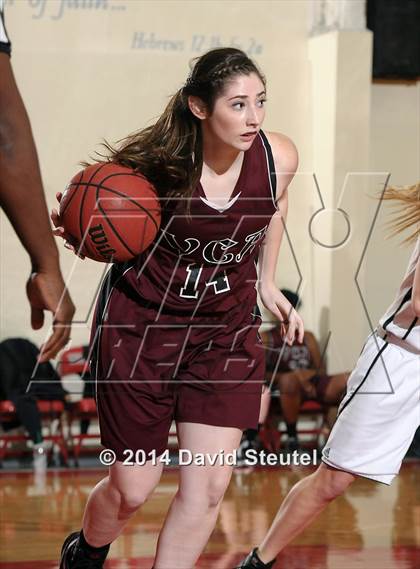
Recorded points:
(175, 333)
(379, 415)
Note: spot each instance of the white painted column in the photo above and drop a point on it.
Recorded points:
(341, 86)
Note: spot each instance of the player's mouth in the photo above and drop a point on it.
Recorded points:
(249, 135)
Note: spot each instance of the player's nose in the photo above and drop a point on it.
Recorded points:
(252, 118)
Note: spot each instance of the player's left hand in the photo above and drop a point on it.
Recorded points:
(291, 323)
(46, 291)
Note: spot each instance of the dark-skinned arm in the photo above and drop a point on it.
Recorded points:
(22, 199)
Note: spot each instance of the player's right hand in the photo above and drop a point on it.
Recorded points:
(46, 291)
(291, 324)
(59, 231)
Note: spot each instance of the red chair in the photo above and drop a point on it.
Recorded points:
(74, 361)
(50, 411)
(318, 413)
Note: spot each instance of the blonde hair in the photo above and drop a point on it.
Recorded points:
(407, 200)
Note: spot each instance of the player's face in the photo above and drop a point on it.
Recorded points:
(238, 112)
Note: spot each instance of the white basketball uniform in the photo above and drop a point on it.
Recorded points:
(380, 413)
(4, 40)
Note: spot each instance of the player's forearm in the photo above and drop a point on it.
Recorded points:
(21, 192)
(22, 197)
(270, 249)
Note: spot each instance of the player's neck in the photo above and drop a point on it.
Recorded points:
(218, 158)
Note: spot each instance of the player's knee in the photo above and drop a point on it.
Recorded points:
(333, 483)
(216, 491)
(208, 498)
(333, 490)
(130, 499)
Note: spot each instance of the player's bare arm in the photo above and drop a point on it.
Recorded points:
(22, 198)
(286, 161)
(415, 299)
(21, 192)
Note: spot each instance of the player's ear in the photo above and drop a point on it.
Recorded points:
(197, 107)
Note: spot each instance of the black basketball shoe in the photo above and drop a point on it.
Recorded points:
(254, 562)
(73, 557)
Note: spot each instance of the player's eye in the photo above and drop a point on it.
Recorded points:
(241, 104)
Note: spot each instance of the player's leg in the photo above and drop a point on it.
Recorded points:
(383, 391)
(135, 410)
(302, 505)
(265, 404)
(116, 498)
(219, 396)
(194, 509)
(109, 507)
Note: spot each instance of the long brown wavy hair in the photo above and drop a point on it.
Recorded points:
(407, 200)
(169, 153)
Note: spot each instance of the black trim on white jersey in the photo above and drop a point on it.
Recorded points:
(5, 46)
(406, 298)
(378, 355)
(271, 167)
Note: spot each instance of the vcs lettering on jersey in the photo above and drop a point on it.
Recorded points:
(217, 251)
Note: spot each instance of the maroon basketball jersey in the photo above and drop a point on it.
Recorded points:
(206, 263)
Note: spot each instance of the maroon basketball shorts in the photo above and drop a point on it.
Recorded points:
(151, 369)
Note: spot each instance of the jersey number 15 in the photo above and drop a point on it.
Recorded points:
(219, 282)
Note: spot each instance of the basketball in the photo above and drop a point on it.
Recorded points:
(111, 211)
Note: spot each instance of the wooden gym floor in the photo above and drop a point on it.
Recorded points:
(372, 526)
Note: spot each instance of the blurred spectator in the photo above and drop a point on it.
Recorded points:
(19, 367)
